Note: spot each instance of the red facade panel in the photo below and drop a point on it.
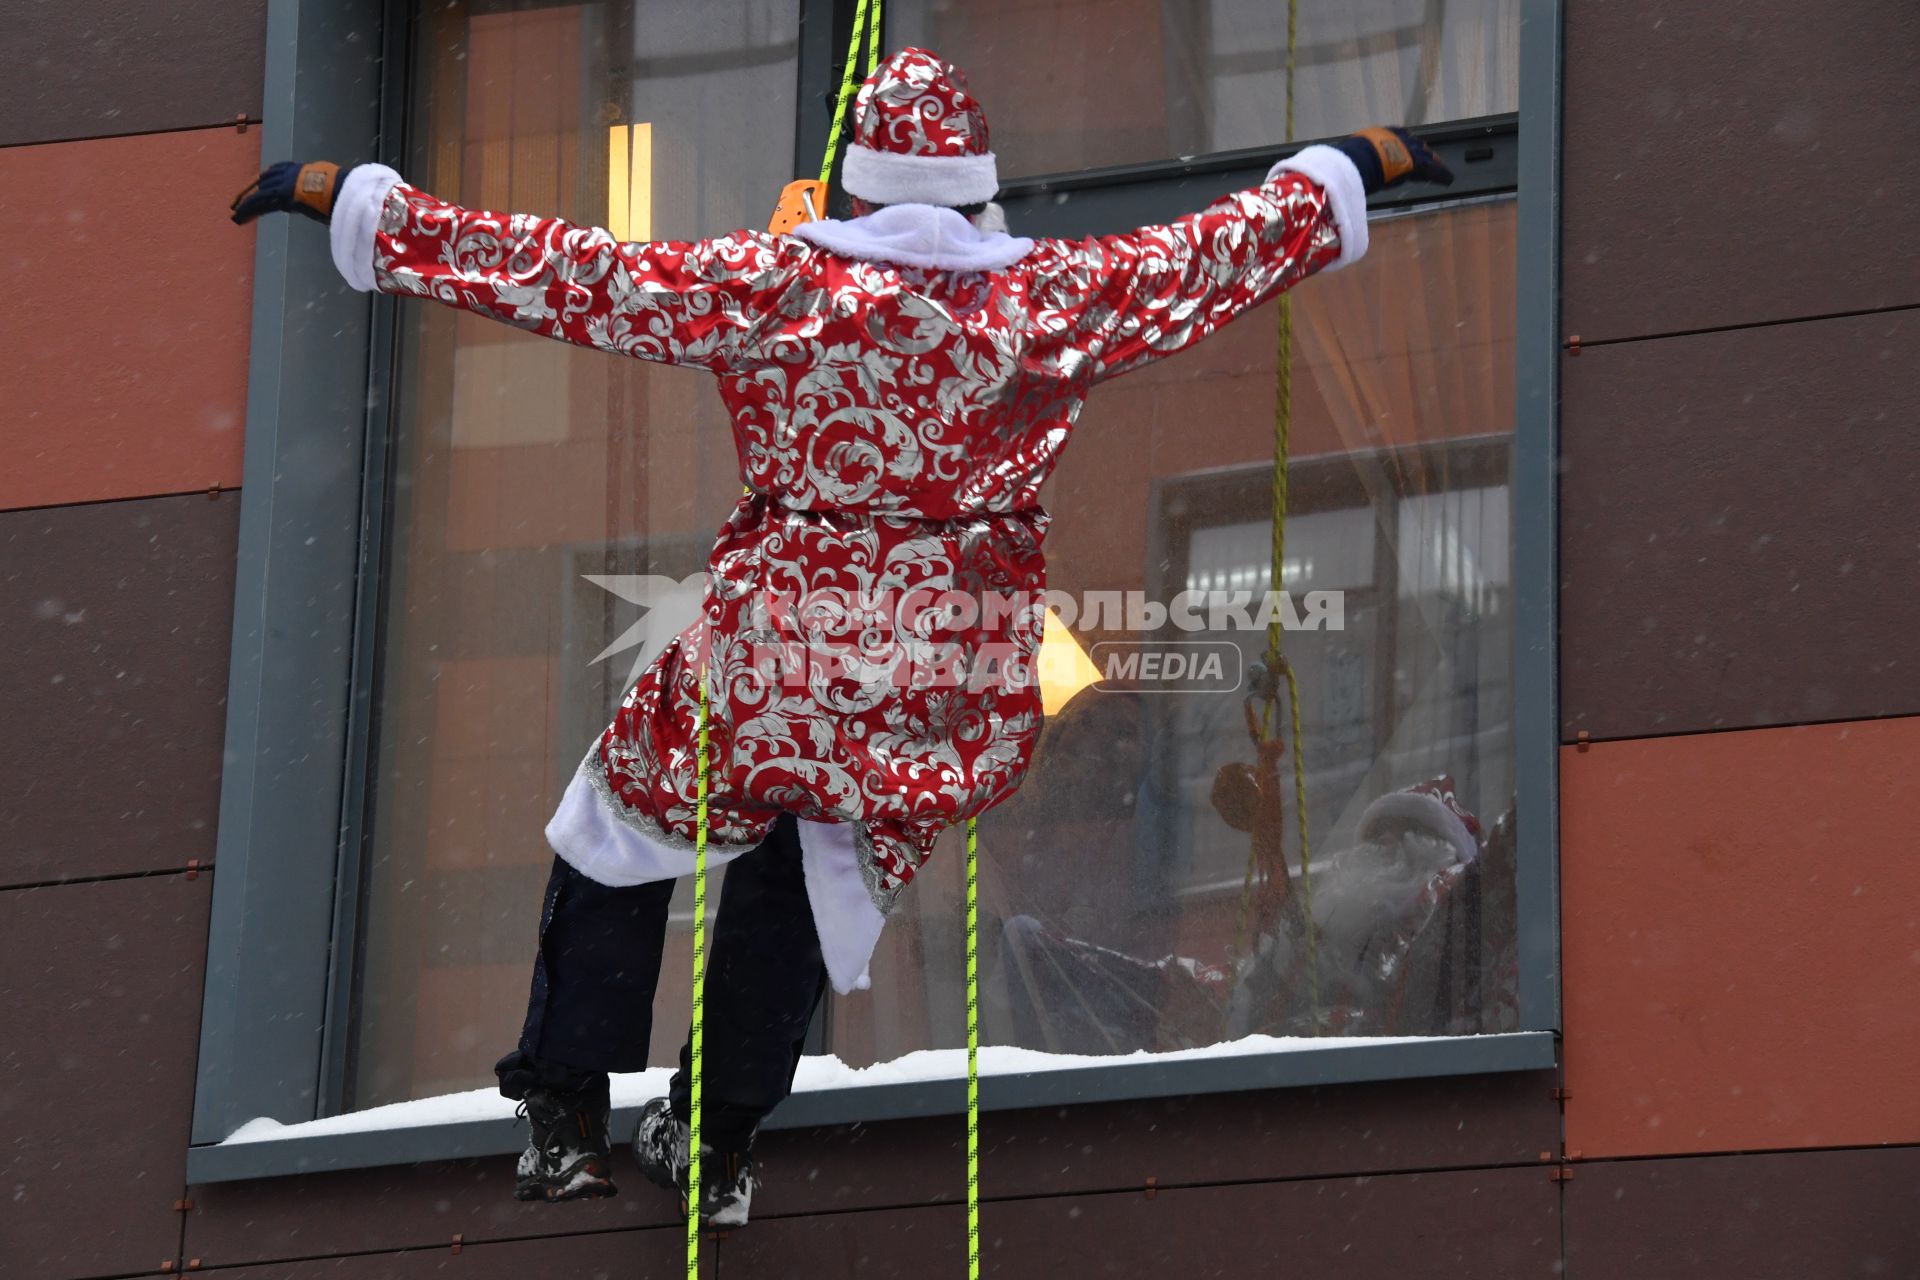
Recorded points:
(127, 373)
(1741, 928)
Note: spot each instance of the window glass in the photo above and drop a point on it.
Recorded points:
(523, 470)
(546, 500)
(1075, 84)
(1115, 900)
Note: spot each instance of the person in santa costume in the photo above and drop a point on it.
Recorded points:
(900, 383)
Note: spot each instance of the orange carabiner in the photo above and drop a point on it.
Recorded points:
(802, 200)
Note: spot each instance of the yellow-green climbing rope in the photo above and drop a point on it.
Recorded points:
(973, 1049)
(848, 77)
(866, 20)
(695, 1038)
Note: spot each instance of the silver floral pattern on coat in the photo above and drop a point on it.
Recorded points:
(895, 425)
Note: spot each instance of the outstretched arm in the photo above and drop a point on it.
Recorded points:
(695, 302)
(1128, 299)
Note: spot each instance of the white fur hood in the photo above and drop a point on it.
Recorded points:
(918, 235)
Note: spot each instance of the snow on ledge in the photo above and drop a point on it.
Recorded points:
(816, 1075)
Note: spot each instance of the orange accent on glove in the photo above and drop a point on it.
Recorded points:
(1395, 163)
(316, 186)
(802, 200)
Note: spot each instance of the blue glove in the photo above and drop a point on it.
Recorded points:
(1387, 157)
(291, 187)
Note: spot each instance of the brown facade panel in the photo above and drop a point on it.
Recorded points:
(1288, 1133)
(403, 1207)
(1789, 1216)
(100, 1006)
(910, 1242)
(1736, 529)
(95, 68)
(1725, 164)
(608, 1255)
(1738, 936)
(127, 371)
(116, 619)
(1491, 1222)
(1282, 1133)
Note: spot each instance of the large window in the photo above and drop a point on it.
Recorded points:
(427, 644)
(529, 477)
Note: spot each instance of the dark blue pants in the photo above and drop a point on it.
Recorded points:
(590, 1010)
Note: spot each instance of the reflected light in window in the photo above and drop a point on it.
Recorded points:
(1065, 668)
(630, 181)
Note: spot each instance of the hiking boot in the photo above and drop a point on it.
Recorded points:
(660, 1145)
(568, 1155)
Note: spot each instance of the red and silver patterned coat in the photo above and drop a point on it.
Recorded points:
(900, 386)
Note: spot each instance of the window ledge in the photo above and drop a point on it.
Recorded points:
(466, 1126)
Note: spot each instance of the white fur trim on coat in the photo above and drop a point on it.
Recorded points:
(917, 235)
(356, 216)
(610, 849)
(1424, 811)
(844, 916)
(1345, 192)
(617, 850)
(886, 177)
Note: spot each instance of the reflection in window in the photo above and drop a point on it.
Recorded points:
(1114, 889)
(1085, 83)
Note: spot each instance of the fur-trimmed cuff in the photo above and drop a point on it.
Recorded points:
(886, 178)
(1341, 181)
(356, 217)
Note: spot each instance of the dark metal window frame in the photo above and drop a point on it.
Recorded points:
(280, 951)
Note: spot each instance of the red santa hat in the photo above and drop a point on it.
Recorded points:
(1430, 805)
(918, 136)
